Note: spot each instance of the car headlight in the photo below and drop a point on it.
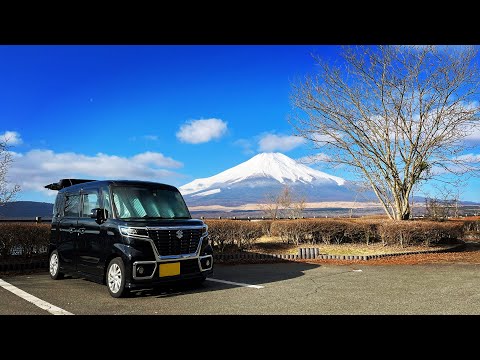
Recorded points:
(133, 231)
(204, 230)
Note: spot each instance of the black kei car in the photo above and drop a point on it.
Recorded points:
(127, 234)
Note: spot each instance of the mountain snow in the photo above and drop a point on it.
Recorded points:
(208, 192)
(274, 166)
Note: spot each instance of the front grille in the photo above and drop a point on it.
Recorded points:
(168, 243)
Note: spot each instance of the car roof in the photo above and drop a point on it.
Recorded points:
(78, 184)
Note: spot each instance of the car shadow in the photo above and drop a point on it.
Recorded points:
(235, 276)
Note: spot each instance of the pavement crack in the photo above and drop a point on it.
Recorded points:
(316, 288)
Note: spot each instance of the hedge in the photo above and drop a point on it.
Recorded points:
(472, 225)
(28, 239)
(327, 231)
(230, 233)
(24, 239)
(419, 232)
(389, 232)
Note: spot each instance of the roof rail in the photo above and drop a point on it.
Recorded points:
(63, 183)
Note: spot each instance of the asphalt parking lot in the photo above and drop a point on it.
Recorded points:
(278, 288)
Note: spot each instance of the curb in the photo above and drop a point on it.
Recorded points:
(253, 256)
(314, 254)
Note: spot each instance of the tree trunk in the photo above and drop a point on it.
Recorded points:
(402, 205)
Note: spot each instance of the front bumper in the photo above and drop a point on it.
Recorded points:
(147, 274)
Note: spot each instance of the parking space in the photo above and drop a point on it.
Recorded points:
(10, 304)
(280, 288)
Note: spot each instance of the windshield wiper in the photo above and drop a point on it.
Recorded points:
(152, 217)
(181, 217)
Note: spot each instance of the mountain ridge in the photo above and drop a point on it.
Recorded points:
(26, 209)
(264, 165)
(262, 175)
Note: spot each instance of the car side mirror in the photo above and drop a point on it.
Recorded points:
(99, 214)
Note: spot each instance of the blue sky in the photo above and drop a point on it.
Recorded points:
(163, 113)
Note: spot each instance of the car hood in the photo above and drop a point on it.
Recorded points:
(163, 222)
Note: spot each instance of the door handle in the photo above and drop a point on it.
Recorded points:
(71, 230)
(81, 230)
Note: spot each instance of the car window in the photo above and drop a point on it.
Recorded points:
(72, 205)
(89, 201)
(148, 202)
(58, 206)
(106, 201)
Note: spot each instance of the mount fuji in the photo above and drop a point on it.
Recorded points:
(267, 173)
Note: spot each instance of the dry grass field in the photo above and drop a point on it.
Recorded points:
(273, 245)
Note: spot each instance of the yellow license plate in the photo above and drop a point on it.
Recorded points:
(169, 269)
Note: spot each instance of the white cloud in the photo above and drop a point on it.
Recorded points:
(246, 146)
(11, 138)
(314, 159)
(474, 134)
(272, 142)
(322, 138)
(157, 159)
(469, 158)
(201, 131)
(37, 168)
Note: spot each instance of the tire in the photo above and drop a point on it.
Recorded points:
(115, 278)
(54, 266)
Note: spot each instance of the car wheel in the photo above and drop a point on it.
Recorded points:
(54, 266)
(116, 278)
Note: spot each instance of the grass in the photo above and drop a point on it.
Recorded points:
(274, 245)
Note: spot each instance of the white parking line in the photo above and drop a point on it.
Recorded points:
(55, 310)
(236, 283)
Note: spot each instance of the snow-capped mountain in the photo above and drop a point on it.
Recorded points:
(266, 173)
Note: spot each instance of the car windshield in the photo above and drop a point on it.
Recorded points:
(131, 202)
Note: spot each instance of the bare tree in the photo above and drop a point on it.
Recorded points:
(445, 202)
(271, 206)
(284, 204)
(285, 201)
(297, 207)
(7, 192)
(395, 115)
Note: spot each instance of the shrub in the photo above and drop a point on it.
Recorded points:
(332, 231)
(366, 231)
(221, 232)
(265, 225)
(313, 230)
(471, 225)
(26, 239)
(7, 239)
(247, 233)
(363, 231)
(286, 230)
(229, 233)
(405, 233)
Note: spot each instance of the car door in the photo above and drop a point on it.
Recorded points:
(68, 231)
(90, 245)
(107, 236)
